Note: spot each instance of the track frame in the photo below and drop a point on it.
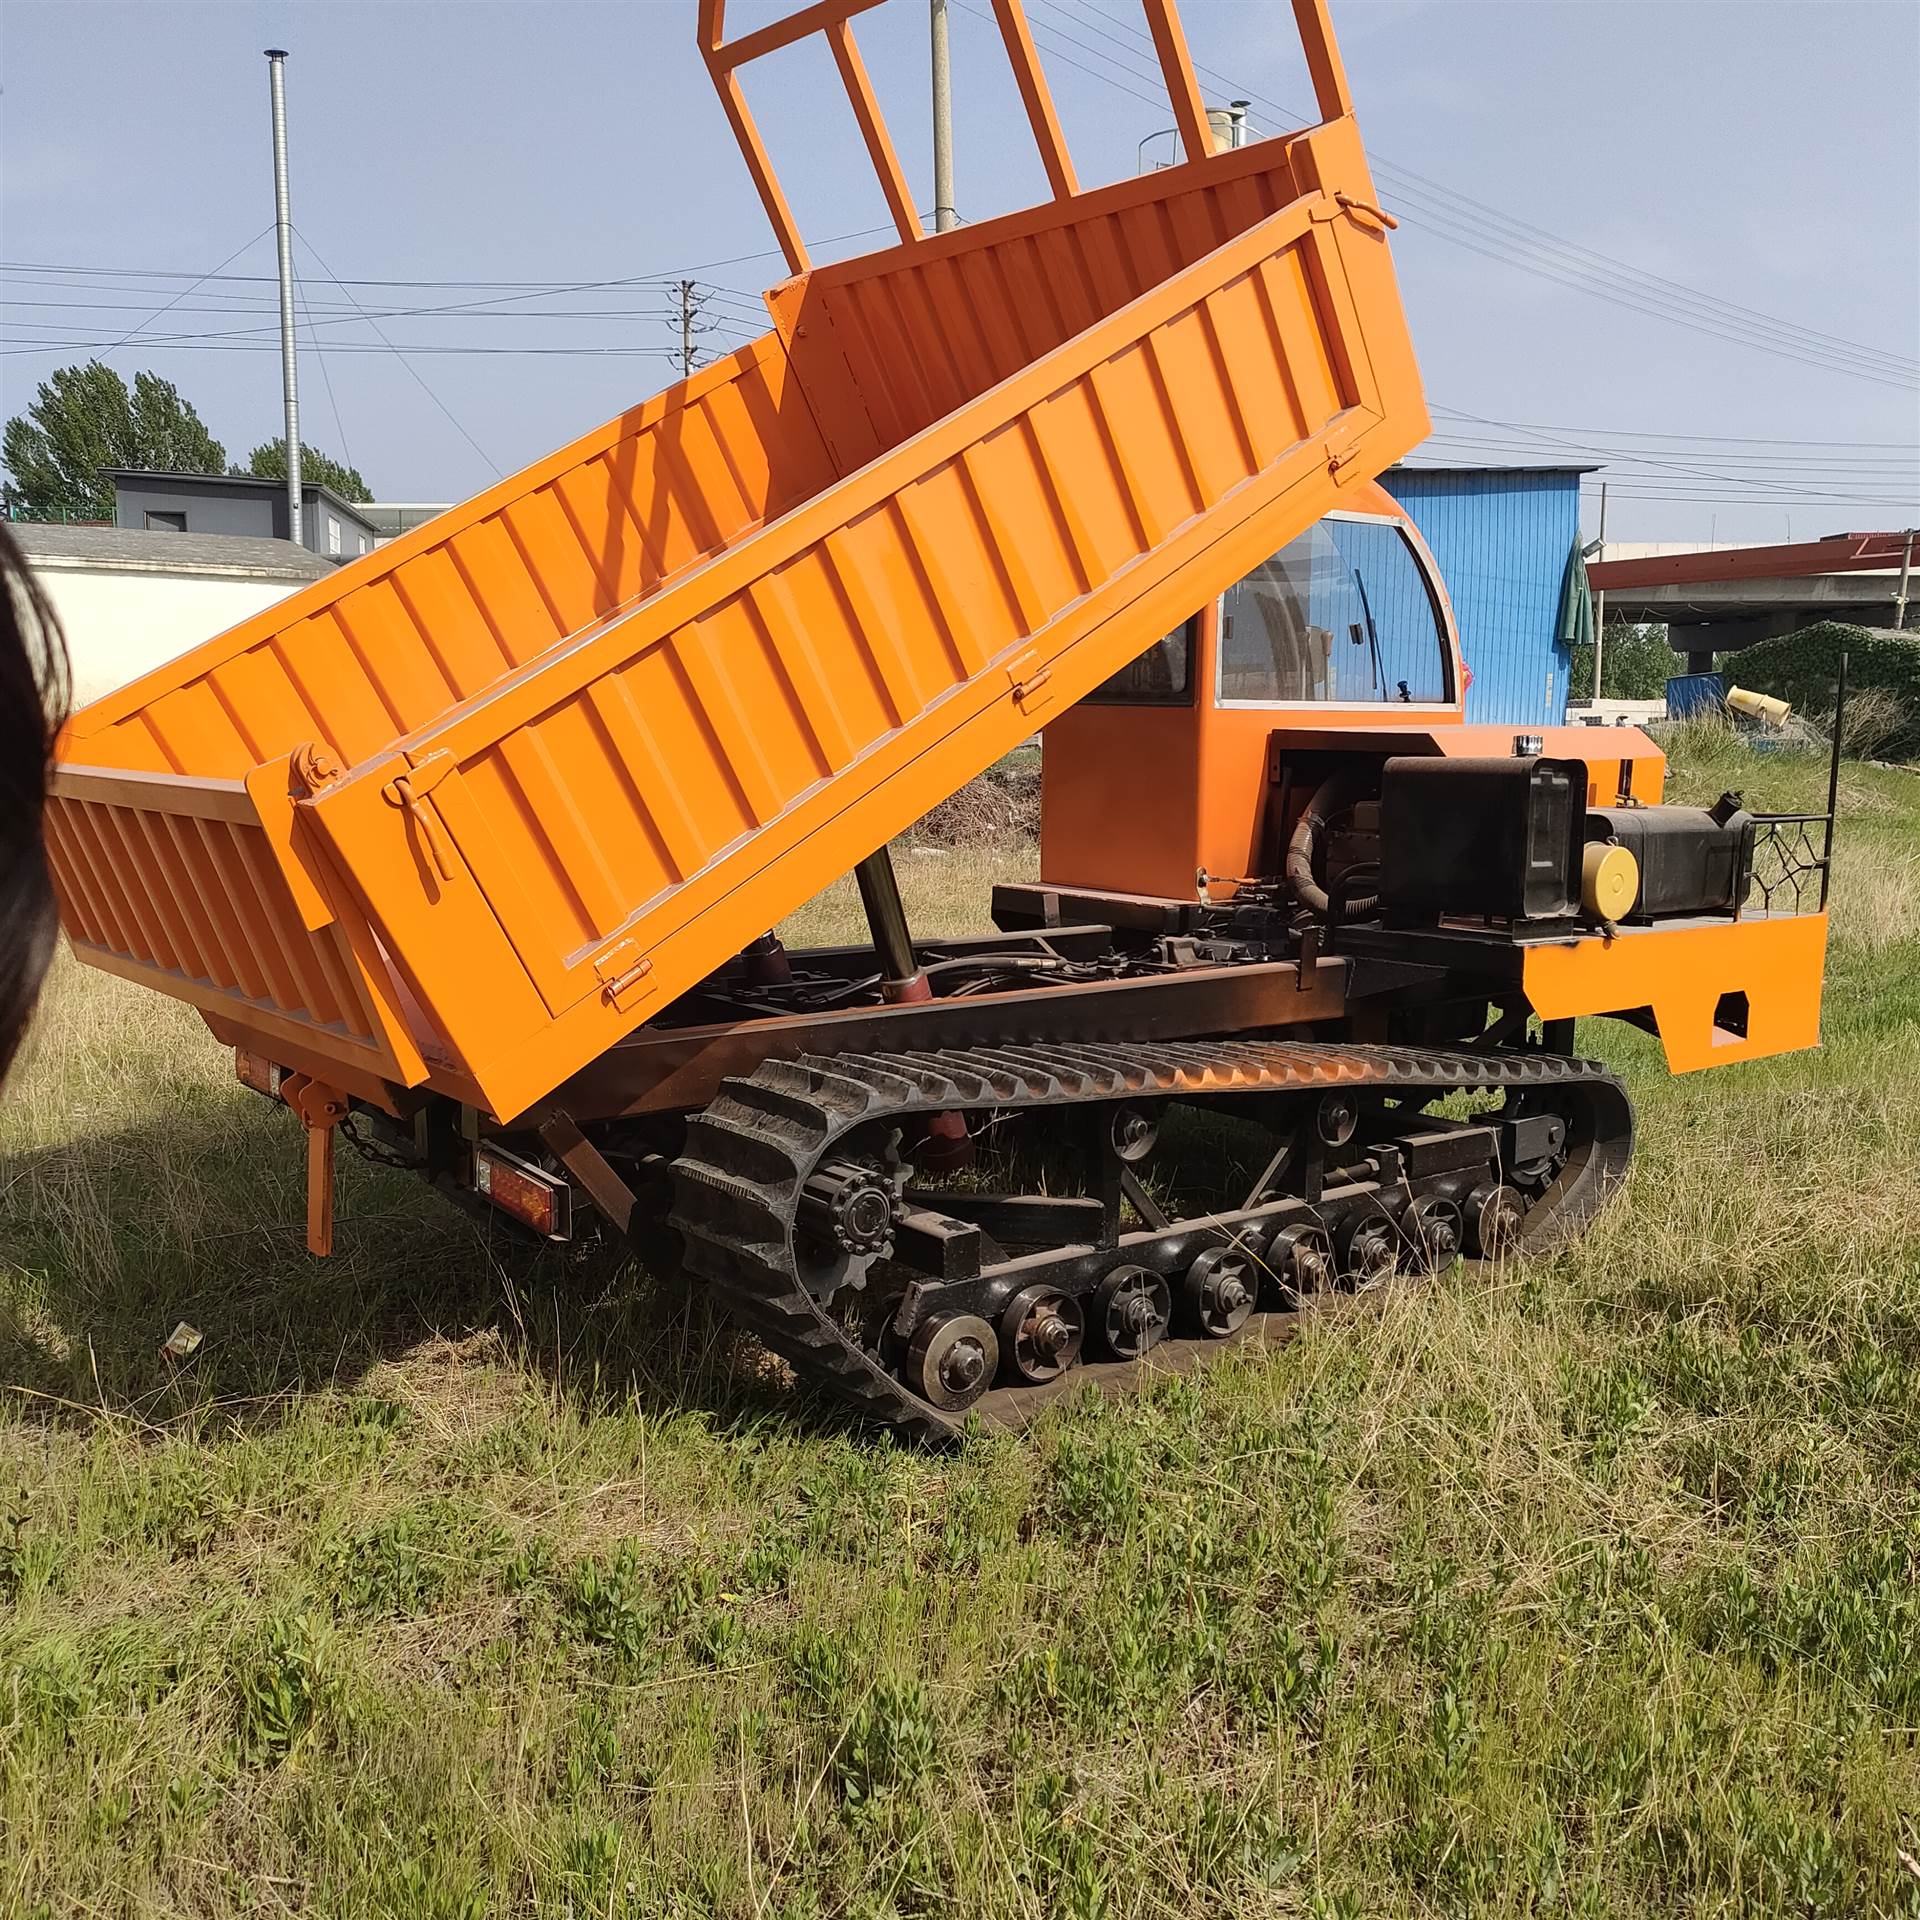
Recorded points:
(750, 1154)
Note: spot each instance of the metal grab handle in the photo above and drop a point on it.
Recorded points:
(429, 826)
(410, 790)
(1366, 213)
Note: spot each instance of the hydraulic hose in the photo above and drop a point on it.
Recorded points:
(1334, 795)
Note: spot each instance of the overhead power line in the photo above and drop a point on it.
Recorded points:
(1663, 465)
(732, 310)
(677, 273)
(1723, 439)
(418, 377)
(1509, 240)
(336, 311)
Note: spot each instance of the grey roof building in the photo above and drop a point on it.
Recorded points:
(214, 503)
(206, 555)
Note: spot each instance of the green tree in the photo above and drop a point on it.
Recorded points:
(85, 419)
(269, 462)
(1636, 664)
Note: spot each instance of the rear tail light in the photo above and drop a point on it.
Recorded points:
(258, 1072)
(533, 1197)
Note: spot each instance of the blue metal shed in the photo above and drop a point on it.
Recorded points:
(1502, 537)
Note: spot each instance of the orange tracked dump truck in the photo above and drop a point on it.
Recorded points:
(471, 850)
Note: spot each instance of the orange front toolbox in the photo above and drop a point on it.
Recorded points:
(479, 804)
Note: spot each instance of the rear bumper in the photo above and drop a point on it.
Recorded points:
(1700, 980)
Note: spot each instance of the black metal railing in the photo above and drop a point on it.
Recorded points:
(1787, 855)
(1789, 868)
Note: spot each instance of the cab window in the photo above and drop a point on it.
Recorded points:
(1344, 615)
(1160, 677)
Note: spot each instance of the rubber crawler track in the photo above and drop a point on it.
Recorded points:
(737, 1183)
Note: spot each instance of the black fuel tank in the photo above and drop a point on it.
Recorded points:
(1691, 859)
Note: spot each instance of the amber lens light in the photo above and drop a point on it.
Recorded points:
(535, 1199)
(256, 1071)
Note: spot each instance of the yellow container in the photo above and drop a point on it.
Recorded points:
(1758, 706)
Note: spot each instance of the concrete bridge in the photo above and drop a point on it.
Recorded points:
(1716, 600)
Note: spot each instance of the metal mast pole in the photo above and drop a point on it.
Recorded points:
(943, 214)
(1906, 570)
(283, 235)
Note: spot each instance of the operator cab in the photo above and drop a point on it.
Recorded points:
(1162, 771)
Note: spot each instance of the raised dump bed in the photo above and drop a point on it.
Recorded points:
(482, 802)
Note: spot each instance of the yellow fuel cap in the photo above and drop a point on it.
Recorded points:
(1609, 880)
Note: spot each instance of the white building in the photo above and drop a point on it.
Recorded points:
(389, 519)
(127, 601)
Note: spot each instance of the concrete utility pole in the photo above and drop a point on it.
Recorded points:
(1906, 569)
(283, 233)
(1600, 599)
(944, 216)
(691, 300)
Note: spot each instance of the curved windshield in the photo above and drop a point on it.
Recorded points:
(1344, 615)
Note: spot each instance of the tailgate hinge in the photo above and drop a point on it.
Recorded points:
(1340, 458)
(1028, 679)
(622, 973)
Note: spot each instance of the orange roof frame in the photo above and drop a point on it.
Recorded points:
(833, 18)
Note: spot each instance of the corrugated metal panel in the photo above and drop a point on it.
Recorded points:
(921, 337)
(1501, 538)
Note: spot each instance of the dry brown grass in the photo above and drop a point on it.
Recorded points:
(442, 1587)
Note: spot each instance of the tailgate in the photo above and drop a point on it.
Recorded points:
(193, 887)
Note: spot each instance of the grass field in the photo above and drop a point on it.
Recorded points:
(436, 1586)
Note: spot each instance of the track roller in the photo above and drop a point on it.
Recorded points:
(1131, 1311)
(1369, 1252)
(1133, 1131)
(1337, 1118)
(1433, 1225)
(1217, 1294)
(1493, 1217)
(1300, 1258)
(1041, 1333)
(951, 1360)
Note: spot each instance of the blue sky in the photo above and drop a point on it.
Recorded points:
(1715, 270)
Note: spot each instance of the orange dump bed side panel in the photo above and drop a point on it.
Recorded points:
(606, 724)
(894, 341)
(392, 641)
